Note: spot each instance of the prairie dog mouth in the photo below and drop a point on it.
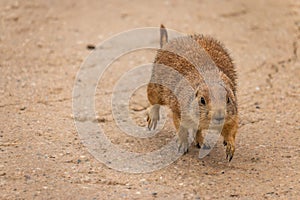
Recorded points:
(216, 126)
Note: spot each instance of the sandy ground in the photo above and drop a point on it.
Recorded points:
(42, 45)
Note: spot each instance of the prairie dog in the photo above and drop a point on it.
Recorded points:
(199, 88)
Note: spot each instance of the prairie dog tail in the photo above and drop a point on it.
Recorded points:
(163, 35)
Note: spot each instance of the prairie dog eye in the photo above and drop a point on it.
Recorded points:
(228, 100)
(202, 101)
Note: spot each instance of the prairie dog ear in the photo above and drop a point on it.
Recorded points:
(163, 35)
(197, 91)
(228, 83)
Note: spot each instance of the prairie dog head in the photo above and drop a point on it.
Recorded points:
(216, 103)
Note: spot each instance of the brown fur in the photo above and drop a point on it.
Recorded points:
(161, 95)
(219, 55)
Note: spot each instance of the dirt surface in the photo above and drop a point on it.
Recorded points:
(42, 45)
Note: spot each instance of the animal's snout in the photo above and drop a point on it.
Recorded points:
(219, 117)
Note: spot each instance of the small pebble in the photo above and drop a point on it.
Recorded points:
(101, 120)
(23, 108)
(154, 193)
(90, 47)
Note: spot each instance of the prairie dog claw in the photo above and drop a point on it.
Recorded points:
(229, 150)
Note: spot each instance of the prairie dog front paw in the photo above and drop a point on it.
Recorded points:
(183, 143)
(153, 116)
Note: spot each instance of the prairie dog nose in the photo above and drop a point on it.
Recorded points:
(219, 116)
